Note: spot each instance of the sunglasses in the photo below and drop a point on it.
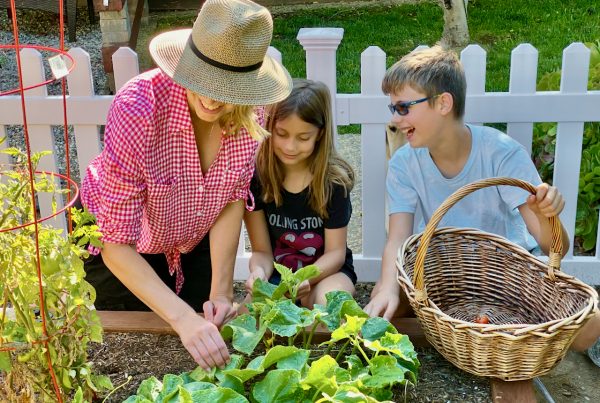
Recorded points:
(401, 108)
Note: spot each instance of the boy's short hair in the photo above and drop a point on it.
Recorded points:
(432, 71)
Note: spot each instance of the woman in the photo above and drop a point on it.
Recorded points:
(175, 171)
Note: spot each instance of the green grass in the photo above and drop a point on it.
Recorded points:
(498, 26)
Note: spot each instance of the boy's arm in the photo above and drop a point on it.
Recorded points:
(385, 297)
(261, 260)
(546, 203)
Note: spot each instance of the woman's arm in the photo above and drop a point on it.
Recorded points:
(261, 260)
(200, 337)
(224, 239)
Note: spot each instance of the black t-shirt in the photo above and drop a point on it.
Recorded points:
(297, 232)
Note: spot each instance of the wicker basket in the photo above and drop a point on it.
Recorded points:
(451, 276)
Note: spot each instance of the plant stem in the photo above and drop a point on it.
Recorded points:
(339, 354)
(312, 333)
(362, 352)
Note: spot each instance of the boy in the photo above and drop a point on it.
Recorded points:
(427, 89)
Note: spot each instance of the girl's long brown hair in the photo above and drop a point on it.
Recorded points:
(311, 102)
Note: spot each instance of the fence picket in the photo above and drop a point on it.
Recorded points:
(40, 135)
(87, 136)
(320, 45)
(473, 58)
(523, 78)
(125, 65)
(372, 66)
(569, 135)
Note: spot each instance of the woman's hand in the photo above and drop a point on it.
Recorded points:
(218, 311)
(202, 340)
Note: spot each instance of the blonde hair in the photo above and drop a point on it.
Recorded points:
(432, 71)
(243, 116)
(311, 102)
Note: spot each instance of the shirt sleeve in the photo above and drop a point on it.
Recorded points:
(120, 183)
(339, 209)
(256, 192)
(517, 164)
(242, 191)
(401, 194)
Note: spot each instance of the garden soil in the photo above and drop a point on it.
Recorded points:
(139, 356)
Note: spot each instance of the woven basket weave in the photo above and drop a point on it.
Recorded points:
(451, 276)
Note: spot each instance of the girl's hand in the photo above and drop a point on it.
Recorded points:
(258, 272)
(547, 201)
(218, 311)
(202, 340)
(303, 289)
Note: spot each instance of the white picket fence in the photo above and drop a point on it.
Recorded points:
(519, 108)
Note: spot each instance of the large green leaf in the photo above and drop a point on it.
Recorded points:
(375, 328)
(243, 332)
(278, 353)
(350, 394)
(397, 344)
(384, 372)
(171, 384)
(295, 361)
(150, 388)
(280, 385)
(340, 304)
(351, 327)
(289, 318)
(355, 366)
(321, 375)
(217, 395)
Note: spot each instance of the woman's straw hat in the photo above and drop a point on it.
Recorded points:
(223, 57)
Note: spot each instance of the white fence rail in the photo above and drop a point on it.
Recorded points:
(519, 108)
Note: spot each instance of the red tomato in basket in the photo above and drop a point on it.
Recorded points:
(482, 319)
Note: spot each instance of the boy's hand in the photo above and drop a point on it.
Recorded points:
(258, 272)
(384, 302)
(547, 201)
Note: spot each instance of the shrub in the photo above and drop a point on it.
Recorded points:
(28, 344)
(543, 148)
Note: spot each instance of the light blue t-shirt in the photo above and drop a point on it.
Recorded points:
(414, 182)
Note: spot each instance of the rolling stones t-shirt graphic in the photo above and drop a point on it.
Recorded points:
(296, 231)
(298, 250)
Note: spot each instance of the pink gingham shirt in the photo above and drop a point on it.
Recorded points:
(147, 188)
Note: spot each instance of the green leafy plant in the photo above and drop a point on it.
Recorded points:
(361, 362)
(28, 344)
(543, 148)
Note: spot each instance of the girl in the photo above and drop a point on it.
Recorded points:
(302, 195)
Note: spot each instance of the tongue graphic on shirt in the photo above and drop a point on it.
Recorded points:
(297, 250)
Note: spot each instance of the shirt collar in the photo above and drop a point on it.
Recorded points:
(179, 119)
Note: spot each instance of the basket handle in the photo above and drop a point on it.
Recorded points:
(555, 249)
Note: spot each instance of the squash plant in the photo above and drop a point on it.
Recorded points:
(26, 351)
(543, 149)
(361, 362)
